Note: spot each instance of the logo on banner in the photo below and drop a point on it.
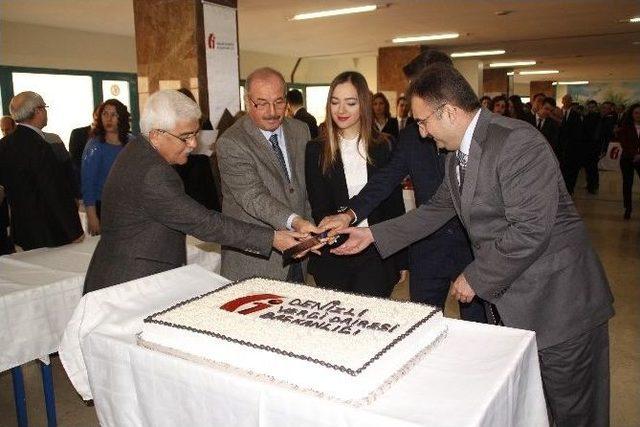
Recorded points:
(211, 41)
(252, 303)
(115, 90)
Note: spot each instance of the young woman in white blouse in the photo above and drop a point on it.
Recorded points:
(338, 165)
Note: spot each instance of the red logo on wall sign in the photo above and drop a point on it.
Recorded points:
(211, 41)
(253, 303)
(614, 153)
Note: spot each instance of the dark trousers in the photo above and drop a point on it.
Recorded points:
(575, 377)
(593, 176)
(627, 167)
(365, 273)
(6, 244)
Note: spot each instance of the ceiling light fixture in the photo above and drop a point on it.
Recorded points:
(511, 64)
(426, 37)
(334, 12)
(478, 53)
(576, 82)
(527, 73)
(510, 73)
(635, 19)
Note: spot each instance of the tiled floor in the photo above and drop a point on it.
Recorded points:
(617, 242)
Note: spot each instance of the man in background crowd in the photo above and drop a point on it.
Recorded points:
(571, 143)
(591, 125)
(43, 209)
(7, 125)
(402, 112)
(297, 111)
(546, 125)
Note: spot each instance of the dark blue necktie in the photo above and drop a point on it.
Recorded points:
(273, 139)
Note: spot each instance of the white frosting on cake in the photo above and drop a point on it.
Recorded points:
(336, 344)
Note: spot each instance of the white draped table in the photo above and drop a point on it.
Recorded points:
(480, 375)
(39, 291)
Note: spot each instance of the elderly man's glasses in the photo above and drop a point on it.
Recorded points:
(262, 105)
(423, 122)
(183, 138)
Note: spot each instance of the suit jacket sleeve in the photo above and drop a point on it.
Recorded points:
(528, 182)
(383, 182)
(394, 207)
(166, 202)
(392, 235)
(240, 175)
(318, 191)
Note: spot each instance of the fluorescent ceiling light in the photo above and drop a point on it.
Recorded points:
(526, 73)
(576, 82)
(510, 73)
(635, 19)
(511, 64)
(426, 37)
(334, 12)
(478, 53)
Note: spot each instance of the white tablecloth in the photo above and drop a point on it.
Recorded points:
(39, 290)
(479, 376)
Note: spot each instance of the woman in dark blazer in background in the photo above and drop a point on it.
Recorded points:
(629, 137)
(337, 167)
(382, 119)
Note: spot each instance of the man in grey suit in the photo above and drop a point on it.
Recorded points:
(533, 258)
(261, 160)
(145, 210)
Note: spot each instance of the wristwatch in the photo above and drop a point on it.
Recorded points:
(350, 212)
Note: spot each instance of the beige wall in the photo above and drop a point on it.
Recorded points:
(39, 46)
(471, 69)
(310, 70)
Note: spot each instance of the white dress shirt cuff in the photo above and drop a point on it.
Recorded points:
(290, 221)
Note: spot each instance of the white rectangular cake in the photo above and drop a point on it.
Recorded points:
(337, 345)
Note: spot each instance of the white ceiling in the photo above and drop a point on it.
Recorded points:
(584, 39)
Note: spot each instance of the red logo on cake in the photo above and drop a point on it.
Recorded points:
(252, 303)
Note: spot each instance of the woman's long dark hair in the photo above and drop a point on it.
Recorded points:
(387, 106)
(627, 116)
(124, 125)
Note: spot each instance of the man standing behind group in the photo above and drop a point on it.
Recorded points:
(546, 125)
(437, 260)
(402, 112)
(296, 107)
(571, 143)
(261, 160)
(533, 257)
(43, 209)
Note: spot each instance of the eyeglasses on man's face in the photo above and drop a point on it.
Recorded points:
(422, 123)
(184, 139)
(263, 105)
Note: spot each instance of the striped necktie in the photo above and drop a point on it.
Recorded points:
(273, 139)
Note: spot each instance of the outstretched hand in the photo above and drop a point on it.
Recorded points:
(359, 239)
(335, 223)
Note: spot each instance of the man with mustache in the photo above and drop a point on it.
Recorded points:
(261, 160)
